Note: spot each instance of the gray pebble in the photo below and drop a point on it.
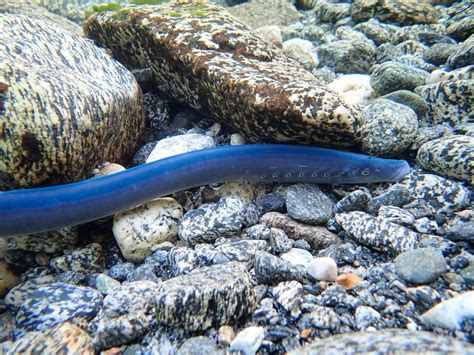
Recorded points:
(410, 99)
(468, 275)
(211, 221)
(241, 250)
(120, 271)
(308, 204)
(354, 201)
(289, 295)
(423, 296)
(347, 56)
(210, 296)
(397, 195)
(366, 316)
(388, 128)
(88, 260)
(462, 56)
(324, 318)
(257, 232)
(396, 215)
(461, 232)
(270, 269)
(145, 272)
(199, 345)
(279, 241)
(181, 260)
(422, 265)
(272, 202)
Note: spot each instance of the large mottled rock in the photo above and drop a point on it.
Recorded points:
(378, 233)
(403, 12)
(386, 341)
(210, 296)
(451, 157)
(202, 56)
(66, 105)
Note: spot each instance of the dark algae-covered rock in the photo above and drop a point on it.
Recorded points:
(65, 105)
(202, 56)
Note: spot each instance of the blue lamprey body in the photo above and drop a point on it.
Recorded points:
(43, 209)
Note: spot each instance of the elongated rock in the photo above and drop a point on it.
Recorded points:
(202, 56)
(377, 233)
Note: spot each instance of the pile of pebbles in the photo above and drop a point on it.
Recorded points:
(270, 268)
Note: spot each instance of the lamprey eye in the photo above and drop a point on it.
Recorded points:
(365, 172)
(326, 175)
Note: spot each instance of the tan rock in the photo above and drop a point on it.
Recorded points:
(8, 279)
(348, 281)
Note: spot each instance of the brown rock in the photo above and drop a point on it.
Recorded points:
(204, 57)
(317, 237)
(8, 279)
(348, 281)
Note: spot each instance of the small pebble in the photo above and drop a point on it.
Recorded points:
(421, 265)
(248, 340)
(348, 281)
(322, 269)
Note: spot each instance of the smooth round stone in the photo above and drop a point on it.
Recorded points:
(105, 284)
(468, 275)
(347, 56)
(322, 269)
(142, 227)
(297, 256)
(452, 313)
(271, 202)
(180, 144)
(388, 128)
(302, 51)
(248, 340)
(410, 99)
(308, 204)
(449, 156)
(461, 232)
(393, 76)
(366, 316)
(421, 265)
(439, 53)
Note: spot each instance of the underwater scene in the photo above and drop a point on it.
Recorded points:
(230, 176)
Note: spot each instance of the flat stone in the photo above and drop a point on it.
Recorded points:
(422, 265)
(207, 297)
(138, 230)
(62, 338)
(317, 237)
(377, 233)
(452, 313)
(451, 157)
(389, 128)
(308, 204)
(386, 341)
(57, 303)
(221, 68)
(49, 141)
(211, 221)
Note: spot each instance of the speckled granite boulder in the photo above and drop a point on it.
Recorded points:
(443, 194)
(57, 303)
(386, 341)
(64, 338)
(392, 76)
(20, 293)
(403, 12)
(388, 129)
(347, 56)
(209, 296)
(202, 56)
(377, 233)
(449, 101)
(461, 21)
(258, 13)
(138, 230)
(317, 237)
(450, 157)
(211, 221)
(49, 140)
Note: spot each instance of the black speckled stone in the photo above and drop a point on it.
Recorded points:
(207, 297)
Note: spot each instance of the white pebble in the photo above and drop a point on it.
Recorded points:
(436, 76)
(107, 169)
(450, 314)
(248, 340)
(297, 256)
(354, 88)
(322, 269)
(237, 139)
(137, 231)
(180, 144)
